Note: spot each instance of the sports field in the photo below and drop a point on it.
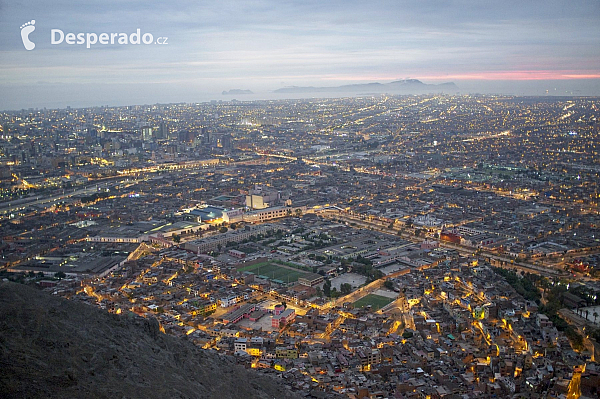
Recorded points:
(274, 271)
(376, 301)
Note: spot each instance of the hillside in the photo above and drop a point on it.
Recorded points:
(54, 348)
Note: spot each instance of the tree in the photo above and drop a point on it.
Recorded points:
(388, 284)
(176, 238)
(327, 287)
(298, 212)
(595, 317)
(60, 275)
(345, 288)
(223, 229)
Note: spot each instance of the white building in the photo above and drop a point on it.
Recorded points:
(260, 197)
(233, 215)
(265, 214)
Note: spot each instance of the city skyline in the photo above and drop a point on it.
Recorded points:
(536, 48)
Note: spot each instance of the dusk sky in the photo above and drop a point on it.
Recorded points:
(517, 47)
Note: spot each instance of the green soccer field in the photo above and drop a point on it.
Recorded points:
(274, 271)
(376, 301)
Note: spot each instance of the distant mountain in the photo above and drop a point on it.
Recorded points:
(236, 92)
(407, 86)
(51, 347)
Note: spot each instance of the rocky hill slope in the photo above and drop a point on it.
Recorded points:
(54, 348)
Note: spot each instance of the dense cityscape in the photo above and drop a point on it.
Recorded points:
(418, 246)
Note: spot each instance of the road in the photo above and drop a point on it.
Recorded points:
(394, 309)
(14, 206)
(575, 385)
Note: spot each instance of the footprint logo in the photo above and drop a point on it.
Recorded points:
(26, 29)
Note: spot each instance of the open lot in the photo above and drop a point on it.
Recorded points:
(274, 271)
(264, 324)
(355, 280)
(376, 301)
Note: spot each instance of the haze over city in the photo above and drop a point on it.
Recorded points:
(509, 47)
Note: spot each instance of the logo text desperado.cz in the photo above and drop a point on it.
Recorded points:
(57, 36)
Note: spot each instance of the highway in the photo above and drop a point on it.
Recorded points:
(14, 206)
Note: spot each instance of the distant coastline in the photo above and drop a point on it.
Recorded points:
(406, 86)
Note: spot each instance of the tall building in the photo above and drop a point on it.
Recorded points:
(205, 135)
(261, 198)
(146, 133)
(226, 141)
(164, 132)
(186, 136)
